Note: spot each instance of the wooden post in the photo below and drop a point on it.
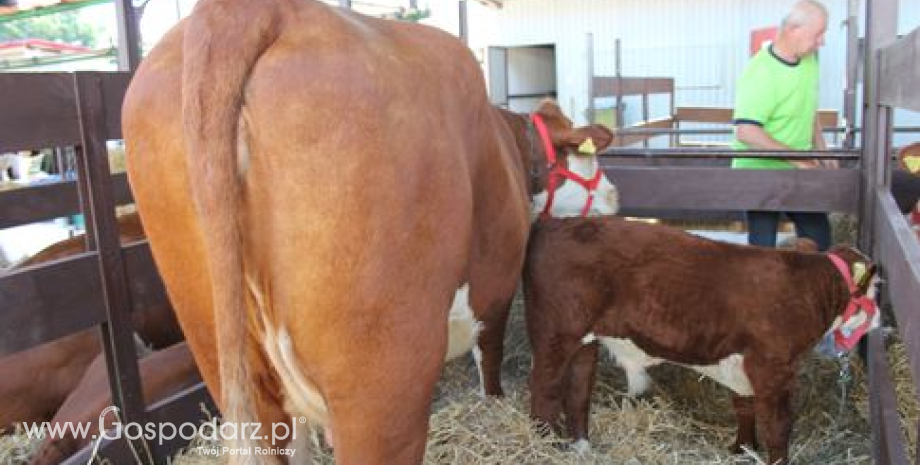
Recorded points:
(619, 110)
(117, 332)
(852, 77)
(129, 38)
(881, 30)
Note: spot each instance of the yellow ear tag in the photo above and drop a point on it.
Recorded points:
(859, 271)
(912, 163)
(587, 147)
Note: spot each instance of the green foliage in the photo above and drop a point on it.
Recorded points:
(412, 14)
(65, 26)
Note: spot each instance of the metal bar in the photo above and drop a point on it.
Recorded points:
(591, 116)
(464, 31)
(117, 333)
(852, 74)
(726, 131)
(619, 82)
(730, 154)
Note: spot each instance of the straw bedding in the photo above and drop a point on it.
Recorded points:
(684, 419)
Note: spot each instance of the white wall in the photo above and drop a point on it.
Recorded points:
(703, 44)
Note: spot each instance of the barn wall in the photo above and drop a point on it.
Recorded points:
(702, 44)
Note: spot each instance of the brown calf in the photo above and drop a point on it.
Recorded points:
(36, 381)
(741, 315)
(163, 373)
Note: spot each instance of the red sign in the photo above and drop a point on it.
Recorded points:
(761, 37)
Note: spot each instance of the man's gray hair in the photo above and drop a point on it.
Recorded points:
(803, 12)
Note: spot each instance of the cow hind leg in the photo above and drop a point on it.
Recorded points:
(490, 346)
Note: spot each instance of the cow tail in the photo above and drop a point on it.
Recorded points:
(223, 41)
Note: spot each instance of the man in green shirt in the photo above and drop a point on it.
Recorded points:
(776, 109)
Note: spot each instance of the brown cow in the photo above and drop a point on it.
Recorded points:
(329, 185)
(35, 382)
(163, 373)
(741, 315)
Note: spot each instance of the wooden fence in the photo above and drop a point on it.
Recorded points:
(100, 287)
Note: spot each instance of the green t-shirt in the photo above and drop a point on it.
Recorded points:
(782, 98)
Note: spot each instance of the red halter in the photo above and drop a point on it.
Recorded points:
(856, 303)
(557, 172)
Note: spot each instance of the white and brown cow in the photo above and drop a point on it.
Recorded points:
(739, 314)
(318, 187)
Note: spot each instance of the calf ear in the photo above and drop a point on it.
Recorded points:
(600, 135)
(866, 280)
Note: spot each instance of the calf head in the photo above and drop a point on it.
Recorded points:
(565, 176)
(909, 158)
(860, 314)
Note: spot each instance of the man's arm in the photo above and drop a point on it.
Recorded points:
(755, 137)
(820, 144)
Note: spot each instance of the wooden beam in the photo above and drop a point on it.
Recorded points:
(899, 76)
(887, 438)
(630, 139)
(52, 200)
(57, 298)
(881, 30)
(711, 188)
(39, 109)
(899, 253)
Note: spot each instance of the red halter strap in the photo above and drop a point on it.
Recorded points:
(557, 172)
(857, 302)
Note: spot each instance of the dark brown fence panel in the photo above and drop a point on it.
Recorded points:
(39, 111)
(645, 190)
(52, 200)
(49, 301)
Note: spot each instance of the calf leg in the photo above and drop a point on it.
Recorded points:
(548, 380)
(772, 407)
(579, 385)
(744, 414)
